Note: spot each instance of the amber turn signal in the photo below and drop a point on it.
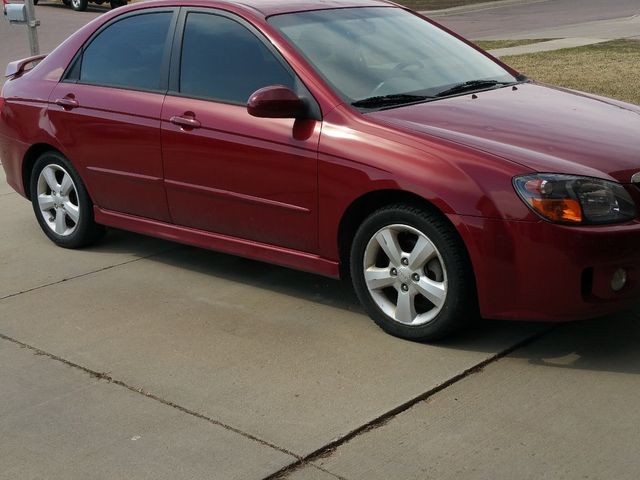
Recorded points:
(558, 210)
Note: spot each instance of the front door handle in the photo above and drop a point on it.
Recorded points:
(67, 103)
(185, 121)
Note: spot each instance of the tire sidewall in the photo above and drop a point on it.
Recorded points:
(458, 288)
(85, 222)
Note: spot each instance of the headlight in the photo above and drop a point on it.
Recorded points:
(575, 200)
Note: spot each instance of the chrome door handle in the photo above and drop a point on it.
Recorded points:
(67, 103)
(185, 122)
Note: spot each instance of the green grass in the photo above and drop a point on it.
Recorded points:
(495, 44)
(609, 69)
(437, 4)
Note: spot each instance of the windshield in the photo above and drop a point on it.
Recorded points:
(380, 56)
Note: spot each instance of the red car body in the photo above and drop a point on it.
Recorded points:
(303, 186)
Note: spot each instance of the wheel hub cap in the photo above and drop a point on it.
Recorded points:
(58, 200)
(405, 274)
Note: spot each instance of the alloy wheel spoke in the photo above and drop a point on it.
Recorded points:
(60, 225)
(45, 202)
(66, 185)
(435, 292)
(406, 308)
(421, 253)
(72, 210)
(388, 241)
(378, 278)
(50, 178)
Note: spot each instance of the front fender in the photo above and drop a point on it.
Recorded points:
(358, 156)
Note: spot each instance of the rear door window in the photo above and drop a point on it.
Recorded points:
(128, 53)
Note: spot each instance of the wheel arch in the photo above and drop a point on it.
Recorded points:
(368, 203)
(30, 157)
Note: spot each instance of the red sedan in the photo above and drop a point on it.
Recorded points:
(349, 138)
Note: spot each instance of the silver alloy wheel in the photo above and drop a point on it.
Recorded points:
(405, 274)
(58, 200)
(75, 3)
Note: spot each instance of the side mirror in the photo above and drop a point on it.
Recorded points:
(276, 101)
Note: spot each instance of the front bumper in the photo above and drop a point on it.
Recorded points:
(542, 271)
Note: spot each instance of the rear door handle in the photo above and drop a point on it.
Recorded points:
(67, 103)
(185, 122)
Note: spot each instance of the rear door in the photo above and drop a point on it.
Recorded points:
(226, 171)
(106, 112)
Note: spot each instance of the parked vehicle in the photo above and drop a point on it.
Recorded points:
(349, 138)
(81, 5)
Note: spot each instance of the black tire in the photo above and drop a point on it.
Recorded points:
(458, 307)
(35, 2)
(86, 231)
(79, 5)
(117, 3)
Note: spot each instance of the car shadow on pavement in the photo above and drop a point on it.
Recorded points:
(484, 335)
(607, 344)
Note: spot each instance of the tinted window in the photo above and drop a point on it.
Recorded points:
(223, 60)
(128, 53)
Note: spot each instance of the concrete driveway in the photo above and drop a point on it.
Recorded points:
(140, 358)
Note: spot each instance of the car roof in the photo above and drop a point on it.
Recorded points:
(275, 7)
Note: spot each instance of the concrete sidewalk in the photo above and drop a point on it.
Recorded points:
(547, 46)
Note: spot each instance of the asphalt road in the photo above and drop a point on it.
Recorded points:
(140, 358)
(525, 20)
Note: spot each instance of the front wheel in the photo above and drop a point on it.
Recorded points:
(79, 5)
(61, 203)
(412, 273)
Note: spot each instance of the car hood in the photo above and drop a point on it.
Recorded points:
(543, 128)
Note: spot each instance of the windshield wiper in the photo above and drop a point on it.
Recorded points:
(388, 100)
(470, 86)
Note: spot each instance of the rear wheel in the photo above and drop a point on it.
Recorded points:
(61, 202)
(79, 5)
(412, 274)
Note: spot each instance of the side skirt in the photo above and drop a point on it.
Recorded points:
(222, 243)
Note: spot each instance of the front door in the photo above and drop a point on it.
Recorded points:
(226, 171)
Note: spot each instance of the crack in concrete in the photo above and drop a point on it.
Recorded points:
(334, 475)
(139, 390)
(386, 417)
(80, 275)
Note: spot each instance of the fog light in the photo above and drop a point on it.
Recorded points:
(619, 280)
